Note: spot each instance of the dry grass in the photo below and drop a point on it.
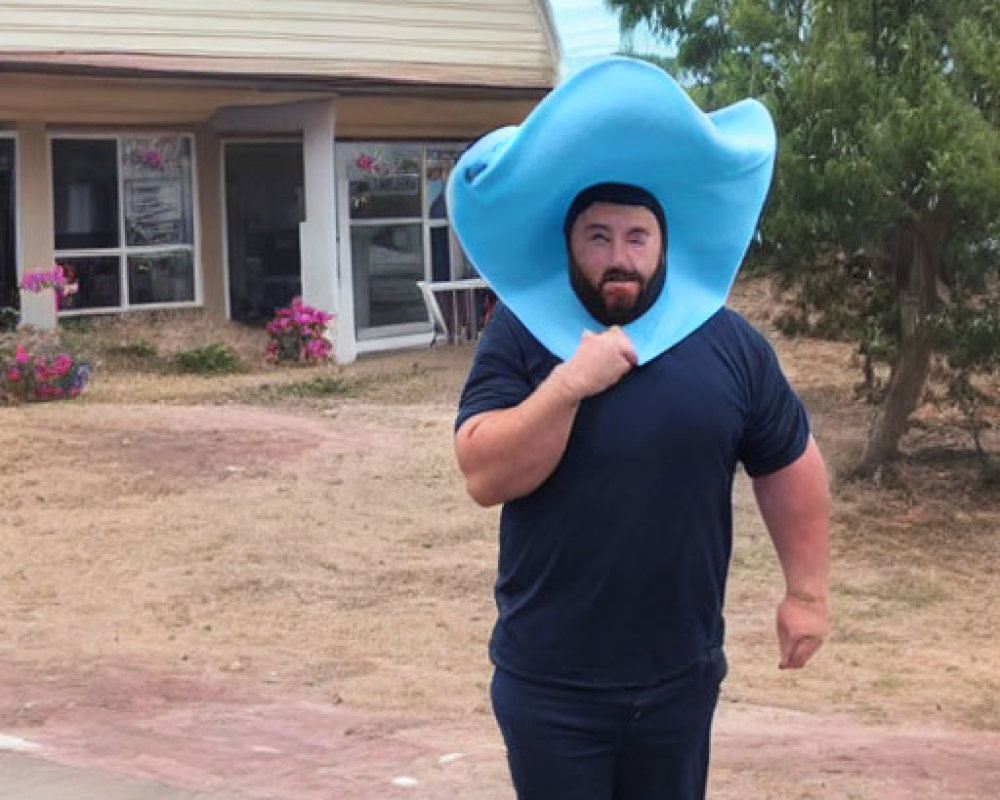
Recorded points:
(363, 571)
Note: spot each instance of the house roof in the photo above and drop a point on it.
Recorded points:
(503, 44)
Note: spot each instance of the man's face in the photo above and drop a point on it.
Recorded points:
(615, 254)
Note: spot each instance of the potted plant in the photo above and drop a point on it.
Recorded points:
(40, 294)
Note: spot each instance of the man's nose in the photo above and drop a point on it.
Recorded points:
(619, 252)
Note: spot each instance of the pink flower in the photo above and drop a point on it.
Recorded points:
(62, 363)
(297, 332)
(13, 374)
(21, 355)
(44, 279)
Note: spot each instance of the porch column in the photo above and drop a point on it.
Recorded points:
(321, 279)
(36, 225)
(214, 284)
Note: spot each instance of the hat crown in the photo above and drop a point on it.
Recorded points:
(618, 121)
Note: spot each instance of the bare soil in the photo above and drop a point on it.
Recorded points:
(274, 582)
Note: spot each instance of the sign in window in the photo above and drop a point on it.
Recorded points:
(124, 219)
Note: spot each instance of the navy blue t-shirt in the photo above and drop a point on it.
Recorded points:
(612, 572)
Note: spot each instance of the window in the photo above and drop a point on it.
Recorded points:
(8, 224)
(399, 232)
(124, 219)
(448, 261)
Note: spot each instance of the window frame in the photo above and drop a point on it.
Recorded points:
(349, 150)
(123, 250)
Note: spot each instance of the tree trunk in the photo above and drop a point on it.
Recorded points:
(909, 372)
(918, 262)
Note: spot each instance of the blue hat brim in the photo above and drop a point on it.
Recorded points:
(622, 121)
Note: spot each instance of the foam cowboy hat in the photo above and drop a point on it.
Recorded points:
(617, 121)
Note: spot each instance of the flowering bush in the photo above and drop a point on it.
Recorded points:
(54, 278)
(60, 278)
(296, 334)
(42, 377)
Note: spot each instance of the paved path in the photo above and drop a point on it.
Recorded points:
(256, 752)
(28, 777)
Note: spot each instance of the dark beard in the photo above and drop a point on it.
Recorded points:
(593, 300)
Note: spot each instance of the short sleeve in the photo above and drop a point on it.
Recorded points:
(777, 429)
(499, 377)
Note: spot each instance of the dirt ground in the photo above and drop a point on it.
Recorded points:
(254, 583)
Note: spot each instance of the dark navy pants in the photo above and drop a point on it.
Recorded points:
(570, 743)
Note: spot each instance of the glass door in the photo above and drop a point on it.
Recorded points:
(399, 232)
(8, 226)
(385, 194)
(265, 202)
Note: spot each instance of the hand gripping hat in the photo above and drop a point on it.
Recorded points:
(617, 121)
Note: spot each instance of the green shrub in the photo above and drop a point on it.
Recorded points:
(320, 386)
(212, 359)
(141, 350)
(77, 324)
(315, 388)
(8, 319)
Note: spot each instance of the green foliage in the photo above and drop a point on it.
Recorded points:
(315, 388)
(969, 336)
(886, 200)
(319, 386)
(211, 359)
(76, 324)
(8, 319)
(140, 350)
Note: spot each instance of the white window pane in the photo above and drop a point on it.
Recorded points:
(440, 253)
(85, 193)
(156, 180)
(161, 277)
(387, 263)
(97, 280)
(440, 162)
(384, 182)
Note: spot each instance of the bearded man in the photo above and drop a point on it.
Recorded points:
(611, 399)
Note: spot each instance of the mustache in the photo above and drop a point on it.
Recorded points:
(617, 274)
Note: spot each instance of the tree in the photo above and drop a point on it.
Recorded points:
(887, 187)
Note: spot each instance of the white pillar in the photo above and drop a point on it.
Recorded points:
(321, 279)
(325, 284)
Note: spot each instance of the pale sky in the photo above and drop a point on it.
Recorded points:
(587, 30)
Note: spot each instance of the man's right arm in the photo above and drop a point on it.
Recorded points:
(509, 453)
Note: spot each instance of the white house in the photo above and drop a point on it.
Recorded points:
(229, 154)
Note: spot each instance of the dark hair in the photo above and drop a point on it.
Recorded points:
(622, 194)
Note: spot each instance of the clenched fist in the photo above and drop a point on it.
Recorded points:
(803, 624)
(601, 360)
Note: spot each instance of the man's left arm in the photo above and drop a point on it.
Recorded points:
(795, 504)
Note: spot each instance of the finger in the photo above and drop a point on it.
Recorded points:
(800, 652)
(625, 346)
(785, 646)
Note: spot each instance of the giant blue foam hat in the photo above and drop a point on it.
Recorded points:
(620, 121)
